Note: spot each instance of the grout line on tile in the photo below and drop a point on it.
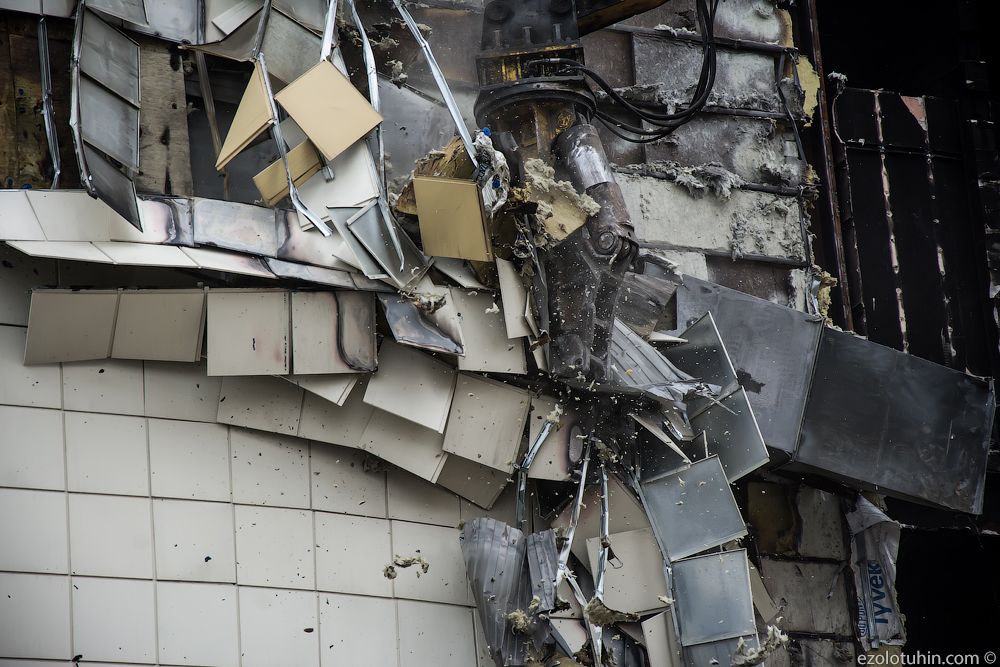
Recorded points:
(69, 534)
(152, 546)
(236, 566)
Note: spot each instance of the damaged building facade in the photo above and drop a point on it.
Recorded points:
(496, 333)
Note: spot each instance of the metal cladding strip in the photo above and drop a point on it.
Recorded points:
(372, 74)
(373, 96)
(602, 559)
(595, 632)
(293, 192)
(522, 473)
(494, 555)
(47, 111)
(574, 519)
(328, 31)
(449, 99)
(258, 40)
(543, 566)
(74, 114)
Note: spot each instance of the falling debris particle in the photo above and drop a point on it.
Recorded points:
(553, 417)
(533, 607)
(390, 570)
(494, 309)
(397, 76)
(307, 629)
(665, 600)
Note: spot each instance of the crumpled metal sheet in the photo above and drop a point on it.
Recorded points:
(639, 365)
(503, 583)
(410, 326)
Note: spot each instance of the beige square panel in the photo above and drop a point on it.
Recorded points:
(31, 448)
(274, 547)
(329, 109)
(261, 402)
(487, 347)
(253, 116)
(247, 333)
(515, 300)
(637, 585)
(18, 273)
(229, 262)
(405, 444)
(357, 630)
(34, 615)
(625, 514)
(504, 508)
(189, 460)
(351, 554)
(160, 325)
(181, 391)
(196, 624)
(328, 422)
(108, 385)
(269, 469)
(71, 215)
(272, 628)
(38, 386)
(333, 332)
(110, 536)
(34, 529)
(194, 541)
(17, 219)
(473, 481)
(334, 387)
(445, 579)
(452, 221)
(487, 421)
(114, 620)
(78, 251)
(435, 634)
(412, 385)
(661, 641)
(145, 254)
(106, 454)
(64, 325)
(414, 499)
(553, 458)
(341, 484)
